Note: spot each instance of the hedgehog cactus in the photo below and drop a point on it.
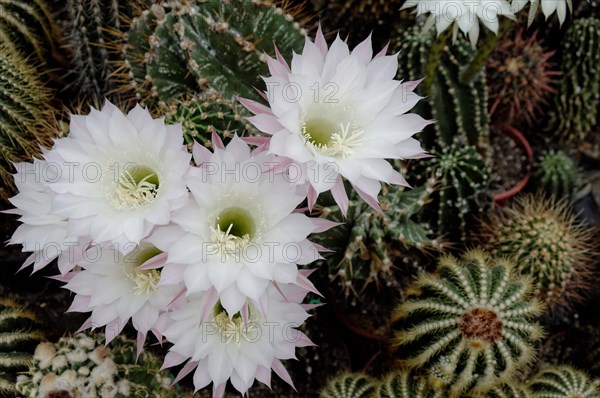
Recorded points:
(577, 105)
(406, 385)
(459, 109)
(204, 114)
(563, 382)
(556, 174)
(548, 244)
(92, 29)
(470, 326)
(350, 385)
(25, 113)
(28, 26)
(365, 247)
(463, 190)
(82, 366)
(180, 48)
(520, 78)
(19, 334)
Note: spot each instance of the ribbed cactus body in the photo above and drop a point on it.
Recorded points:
(460, 110)
(82, 366)
(463, 192)
(176, 49)
(201, 115)
(556, 174)
(470, 326)
(25, 113)
(563, 382)
(92, 29)
(19, 334)
(548, 244)
(365, 247)
(510, 390)
(350, 385)
(407, 385)
(28, 26)
(577, 110)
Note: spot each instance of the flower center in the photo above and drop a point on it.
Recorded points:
(332, 138)
(234, 229)
(481, 324)
(136, 187)
(145, 281)
(233, 330)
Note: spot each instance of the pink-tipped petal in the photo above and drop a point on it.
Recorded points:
(187, 368)
(282, 372)
(172, 359)
(340, 196)
(217, 141)
(157, 261)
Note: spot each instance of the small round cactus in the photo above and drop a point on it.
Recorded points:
(563, 382)
(82, 366)
(19, 334)
(520, 77)
(350, 385)
(556, 174)
(548, 244)
(510, 390)
(407, 385)
(470, 326)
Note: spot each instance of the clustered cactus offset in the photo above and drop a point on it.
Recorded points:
(563, 382)
(555, 174)
(470, 326)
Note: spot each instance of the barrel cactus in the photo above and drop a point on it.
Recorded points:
(350, 385)
(365, 247)
(548, 244)
(175, 49)
(563, 382)
(463, 191)
(459, 109)
(407, 385)
(28, 27)
(556, 174)
(81, 366)
(577, 108)
(19, 334)
(25, 113)
(520, 78)
(469, 327)
(510, 390)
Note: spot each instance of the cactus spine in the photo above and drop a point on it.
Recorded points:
(406, 385)
(459, 109)
(19, 334)
(180, 48)
(577, 108)
(24, 111)
(563, 382)
(510, 390)
(548, 244)
(469, 326)
(350, 385)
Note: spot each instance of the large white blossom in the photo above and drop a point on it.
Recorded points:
(42, 232)
(463, 14)
(337, 113)
(239, 232)
(120, 175)
(115, 288)
(241, 347)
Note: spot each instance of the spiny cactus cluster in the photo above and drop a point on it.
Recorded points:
(179, 48)
(82, 366)
(397, 384)
(577, 109)
(470, 326)
(510, 390)
(203, 114)
(24, 111)
(366, 246)
(462, 193)
(91, 29)
(556, 174)
(28, 26)
(19, 334)
(548, 244)
(520, 78)
(563, 382)
(460, 110)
